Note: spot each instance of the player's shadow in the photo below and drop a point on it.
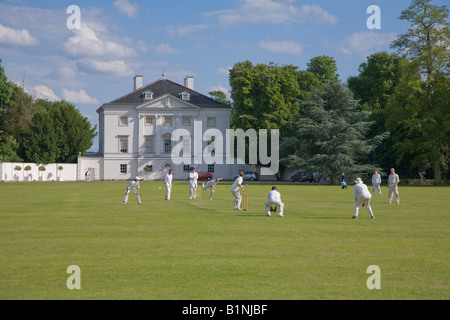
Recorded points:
(250, 215)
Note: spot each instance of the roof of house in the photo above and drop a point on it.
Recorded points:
(162, 87)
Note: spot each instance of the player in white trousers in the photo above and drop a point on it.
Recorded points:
(168, 182)
(193, 177)
(237, 185)
(393, 180)
(362, 198)
(376, 182)
(274, 202)
(211, 185)
(134, 187)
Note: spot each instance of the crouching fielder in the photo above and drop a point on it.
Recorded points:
(274, 202)
(211, 185)
(133, 186)
(237, 185)
(362, 197)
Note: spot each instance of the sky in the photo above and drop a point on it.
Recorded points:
(91, 58)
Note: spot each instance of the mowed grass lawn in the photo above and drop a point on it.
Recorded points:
(182, 249)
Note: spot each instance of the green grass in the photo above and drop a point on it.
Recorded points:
(202, 249)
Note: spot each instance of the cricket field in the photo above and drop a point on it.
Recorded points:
(199, 249)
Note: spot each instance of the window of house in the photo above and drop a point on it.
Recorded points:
(123, 144)
(211, 121)
(148, 145)
(184, 95)
(147, 95)
(211, 168)
(167, 145)
(123, 121)
(186, 121)
(168, 121)
(149, 120)
(186, 145)
(186, 168)
(123, 168)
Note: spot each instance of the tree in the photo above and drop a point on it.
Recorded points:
(331, 134)
(219, 96)
(421, 101)
(8, 148)
(39, 143)
(324, 68)
(59, 134)
(19, 113)
(264, 96)
(6, 91)
(377, 80)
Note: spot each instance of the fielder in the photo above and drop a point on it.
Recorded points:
(193, 177)
(211, 185)
(168, 182)
(362, 198)
(376, 182)
(274, 202)
(393, 180)
(237, 185)
(134, 187)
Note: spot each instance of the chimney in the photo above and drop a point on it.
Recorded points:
(189, 82)
(138, 82)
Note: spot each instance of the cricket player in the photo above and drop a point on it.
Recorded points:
(274, 202)
(88, 176)
(134, 187)
(193, 177)
(393, 181)
(344, 180)
(376, 182)
(168, 182)
(362, 198)
(211, 185)
(235, 188)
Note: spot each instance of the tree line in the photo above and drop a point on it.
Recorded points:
(40, 131)
(394, 113)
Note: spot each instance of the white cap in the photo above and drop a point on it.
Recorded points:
(137, 178)
(358, 180)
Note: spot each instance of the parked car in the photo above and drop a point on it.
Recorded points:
(204, 175)
(250, 175)
(302, 177)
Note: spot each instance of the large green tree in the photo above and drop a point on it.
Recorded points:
(377, 80)
(420, 105)
(264, 96)
(59, 134)
(324, 68)
(331, 134)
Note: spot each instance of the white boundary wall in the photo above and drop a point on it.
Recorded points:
(51, 173)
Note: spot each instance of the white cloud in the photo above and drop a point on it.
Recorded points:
(43, 92)
(85, 43)
(366, 42)
(116, 68)
(289, 47)
(10, 36)
(224, 71)
(164, 48)
(127, 8)
(272, 11)
(78, 97)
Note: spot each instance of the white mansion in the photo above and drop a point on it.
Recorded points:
(135, 132)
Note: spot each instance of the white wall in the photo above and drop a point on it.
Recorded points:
(51, 173)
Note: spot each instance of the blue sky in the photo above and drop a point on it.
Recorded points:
(202, 38)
